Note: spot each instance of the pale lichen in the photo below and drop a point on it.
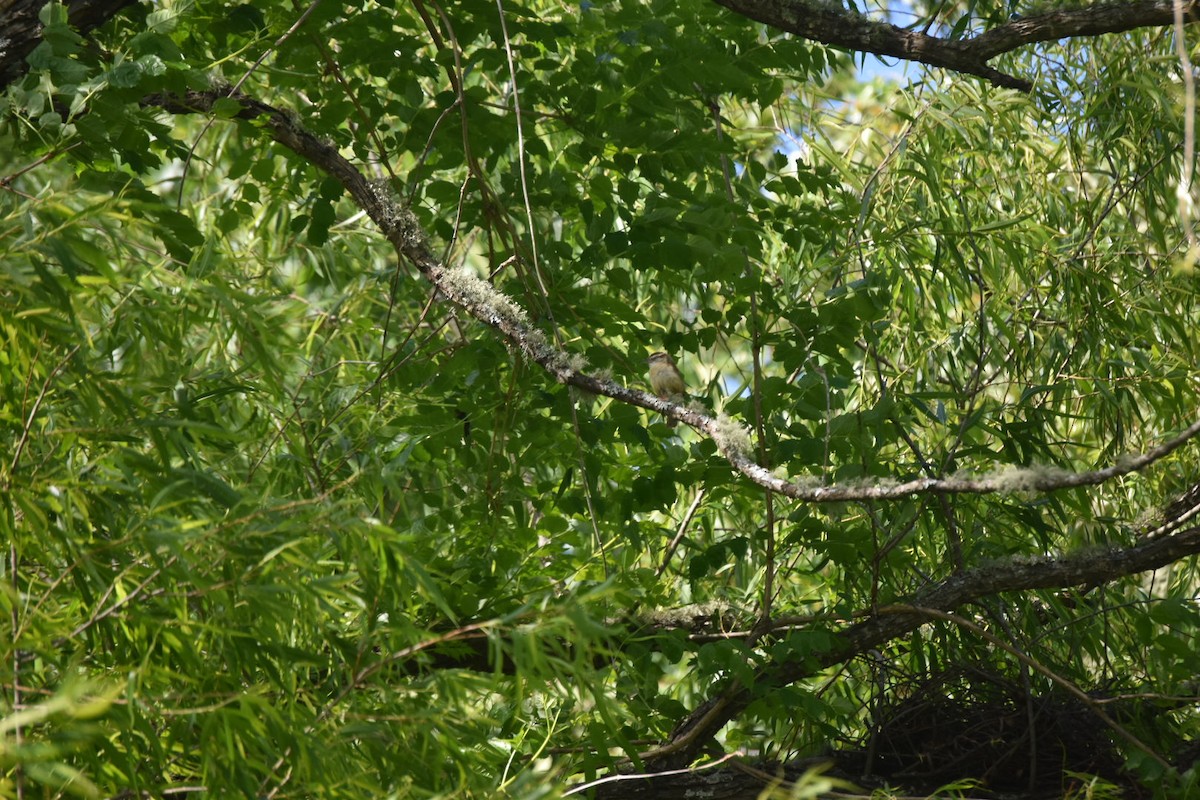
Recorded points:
(397, 216)
(1129, 461)
(807, 483)
(479, 295)
(699, 617)
(563, 364)
(410, 228)
(381, 190)
(576, 362)
(1010, 478)
(731, 436)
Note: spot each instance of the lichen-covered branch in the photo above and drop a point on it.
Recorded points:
(496, 310)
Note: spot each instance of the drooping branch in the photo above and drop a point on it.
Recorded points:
(494, 309)
(1015, 480)
(822, 21)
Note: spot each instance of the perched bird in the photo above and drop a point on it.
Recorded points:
(665, 380)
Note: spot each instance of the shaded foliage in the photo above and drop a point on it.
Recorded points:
(262, 485)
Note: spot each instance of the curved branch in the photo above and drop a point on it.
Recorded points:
(1094, 20)
(494, 309)
(1026, 480)
(824, 22)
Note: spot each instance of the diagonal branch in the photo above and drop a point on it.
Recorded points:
(1085, 569)
(825, 22)
(494, 309)
(1094, 20)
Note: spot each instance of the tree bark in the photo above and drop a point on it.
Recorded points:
(831, 24)
(21, 29)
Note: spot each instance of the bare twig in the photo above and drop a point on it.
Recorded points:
(33, 412)
(1184, 194)
(683, 526)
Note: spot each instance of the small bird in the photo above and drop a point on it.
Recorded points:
(665, 380)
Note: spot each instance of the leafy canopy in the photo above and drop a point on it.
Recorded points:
(265, 493)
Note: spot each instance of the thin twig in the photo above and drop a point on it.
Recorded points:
(683, 526)
(583, 787)
(1187, 202)
(33, 412)
(187, 162)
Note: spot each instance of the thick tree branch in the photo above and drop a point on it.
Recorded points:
(21, 29)
(809, 18)
(1085, 569)
(822, 21)
(1094, 20)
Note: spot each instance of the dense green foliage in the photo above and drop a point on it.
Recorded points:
(258, 480)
